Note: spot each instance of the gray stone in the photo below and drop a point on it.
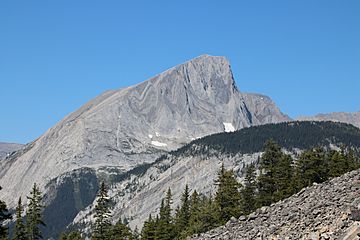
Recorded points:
(323, 201)
(242, 218)
(8, 148)
(134, 125)
(352, 118)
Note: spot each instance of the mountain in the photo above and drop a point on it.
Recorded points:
(352, 118)
(122, 129)
(8, 148)
(330, 210)
(138, 194)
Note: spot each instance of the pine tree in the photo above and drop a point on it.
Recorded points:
(19, 230)
(227, 198)
(267, 177)
(195, 224)
(248, 192)
(73, 235)
(4, 215)
(183, 213)
(312, 167)
(120, 231)
(337, 163)
(165, 228)
(283, 174)
(34, 214)
(149, 229)
(209, 217)
(353, 161)
(202, 215)
(102, 214)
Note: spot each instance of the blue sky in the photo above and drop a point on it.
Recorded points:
(57, 55)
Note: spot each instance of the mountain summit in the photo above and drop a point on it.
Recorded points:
(123, 128)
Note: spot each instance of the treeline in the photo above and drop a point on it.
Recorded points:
(279, 176)
(275, 176)
(289, 135)
(29, 227)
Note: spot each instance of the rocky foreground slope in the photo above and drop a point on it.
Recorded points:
(323, 211)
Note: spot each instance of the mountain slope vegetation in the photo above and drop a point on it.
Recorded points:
(289, 135)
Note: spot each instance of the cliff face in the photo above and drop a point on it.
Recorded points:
(130, 126)
(121, 129)
(139, 193)
(323, 211)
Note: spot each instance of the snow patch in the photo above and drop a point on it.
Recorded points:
(150, 136)
(158, 144)
(157, 134)
(229, 127)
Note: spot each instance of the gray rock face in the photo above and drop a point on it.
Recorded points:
(8, 148)
(352, 118)
(133, 125)
(262, 109)
(139, 195)
(323, 211)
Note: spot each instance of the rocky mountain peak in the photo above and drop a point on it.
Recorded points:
(123, 128)
(208, 77)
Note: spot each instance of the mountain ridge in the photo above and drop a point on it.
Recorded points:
(135, 125)
(8, 148)
(197, 163)
(346, 117)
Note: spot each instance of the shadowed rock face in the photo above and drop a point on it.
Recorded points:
(352, 118)
(123, 128)
(8, 148)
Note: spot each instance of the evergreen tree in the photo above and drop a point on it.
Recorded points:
(227, 198)
(183, 213)
(341, 161)
(157, 223)
(4, 215)
(195, 224)
(165, 229)
(73, 235)
(34, 214)
(353, 161)
(283, 174)
(19, 230)
(203, 217)
(278, 179)
(120, 231)
(267, 178)
(248, 192)
(148, 231)
(312, 167)
(337, 163)
(102, 214)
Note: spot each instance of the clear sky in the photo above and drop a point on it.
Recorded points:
(57, 55)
